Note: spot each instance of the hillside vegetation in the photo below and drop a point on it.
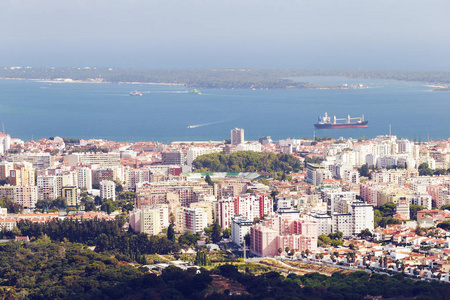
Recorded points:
(248, 161)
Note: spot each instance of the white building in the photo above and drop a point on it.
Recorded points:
(350, 224)
(332, 199)
(84, 175)
(315, 174)
(402, 208)
(5, 143)
(323, 221)
(194, 152)
(47, 187)
(103, 160)
(362, 217)
(194, 219)
(240, 226)
(421, 200)
(40, 161)
(237, 136)
(342, 223)
(253, 146)
(107, 189)
(150, 220)
(351, 175)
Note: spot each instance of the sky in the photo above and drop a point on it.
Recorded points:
(309, 34)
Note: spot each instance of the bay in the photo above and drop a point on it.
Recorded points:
(37, 110)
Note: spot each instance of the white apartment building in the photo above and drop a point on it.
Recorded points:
(350, 224)
(107, 190)
(237, 136)
(253, 146)
(362, 217)
(47, 187)
(40, 161)
(194, 152)
(420, 199)
(402, 208)
(194, 219)
(323, 221)
(342, 223)
(84, 177)
(5, 143)
(150, 220)
(315, 174)
(103, 160)
(332, 198)
(351, 175)
(240, 226)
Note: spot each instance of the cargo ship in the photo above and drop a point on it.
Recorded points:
(324, 122)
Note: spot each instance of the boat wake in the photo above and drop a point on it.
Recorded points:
(201, 125)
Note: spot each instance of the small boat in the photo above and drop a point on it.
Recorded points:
(195, 92)
(135, 93)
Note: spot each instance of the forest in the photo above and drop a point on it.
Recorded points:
(104, 235)
(248, 161)
(48, 270)
(218, 78)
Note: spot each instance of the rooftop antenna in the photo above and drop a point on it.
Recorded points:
(389, 129)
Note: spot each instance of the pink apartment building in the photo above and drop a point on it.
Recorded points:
(280, 232)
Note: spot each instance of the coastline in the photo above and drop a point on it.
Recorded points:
(69, 80)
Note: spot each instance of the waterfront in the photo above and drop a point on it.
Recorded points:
(81, 110)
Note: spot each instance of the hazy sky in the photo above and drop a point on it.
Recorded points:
(351, 34)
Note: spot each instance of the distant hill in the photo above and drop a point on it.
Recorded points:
(214, 78)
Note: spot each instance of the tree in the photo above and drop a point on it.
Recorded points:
(216, 232)
(89, 206)
(445, 207)
(247, 239)
(364, 171)
(364, 234)
(171, 233)
(226, 233)
(202, 259)
(413, 209)
(97, 200)
(444, 225)
(208, 180)
(280, 250)
(424, 170)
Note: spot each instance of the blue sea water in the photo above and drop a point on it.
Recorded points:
(86, 110)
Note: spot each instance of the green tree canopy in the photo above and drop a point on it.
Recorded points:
(248, 161)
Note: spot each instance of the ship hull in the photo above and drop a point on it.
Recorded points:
(341, 125)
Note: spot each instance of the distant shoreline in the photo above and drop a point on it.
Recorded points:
(69, 80)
